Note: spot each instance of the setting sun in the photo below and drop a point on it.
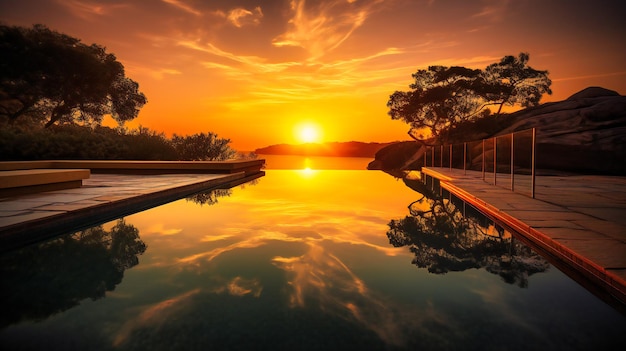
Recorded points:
(308, 133)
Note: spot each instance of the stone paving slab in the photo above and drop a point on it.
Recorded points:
(579, 219)
(32, 217)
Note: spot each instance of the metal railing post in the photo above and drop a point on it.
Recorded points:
(441, 158)
(533, 162)
(495, 157)
(464, 158)
(512, 162)
(432, 156)
(483, 160)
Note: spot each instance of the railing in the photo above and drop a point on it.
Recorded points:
(496, 158)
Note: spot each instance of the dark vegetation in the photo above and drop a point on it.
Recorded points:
(51, 77)
(442, 99)
(55, 92)
(74, 142)
(51, 277)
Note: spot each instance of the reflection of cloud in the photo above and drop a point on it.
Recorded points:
(250, 242)
(153, 315)
(321, 278)
(208, 238)
(240, 287)
(159, 228)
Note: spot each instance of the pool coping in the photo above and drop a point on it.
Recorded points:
(554, 240)
(110, 189)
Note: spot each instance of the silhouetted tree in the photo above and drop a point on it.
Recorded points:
(439, 97)
(203, 147)
(516, 83)
(49, 76)
(54, 276)
(444, 97)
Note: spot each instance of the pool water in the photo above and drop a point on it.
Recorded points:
(298, 260)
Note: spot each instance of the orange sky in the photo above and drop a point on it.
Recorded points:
(255, 71)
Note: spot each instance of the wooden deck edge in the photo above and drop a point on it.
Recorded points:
(229, 166)
(24, 233)
(614, 284)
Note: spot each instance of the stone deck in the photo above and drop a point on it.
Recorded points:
(27, 216)
(580, 220)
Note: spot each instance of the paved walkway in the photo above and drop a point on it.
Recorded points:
(579, 219)
(102, 197)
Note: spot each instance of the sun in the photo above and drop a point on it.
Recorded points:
(308, 133)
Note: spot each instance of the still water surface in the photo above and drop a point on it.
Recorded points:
(298, 260)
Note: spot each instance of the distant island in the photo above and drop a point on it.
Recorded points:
(333, 149)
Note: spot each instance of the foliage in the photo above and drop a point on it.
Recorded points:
(53, 276)
(52, 77)
(444, 97)
(444, 239)
(439, 96)
(203, 147)
(20, 142)
(516, 83)
(76, 142)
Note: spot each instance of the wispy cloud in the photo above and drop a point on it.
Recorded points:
(90, 9)
(492, 10)
(183, 6)
(591, 76)
(322, 28)
(240, 17)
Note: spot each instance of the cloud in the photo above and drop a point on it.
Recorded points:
(322, 28)
(240, 17)
(159, 228)
(183, 6)
(89, 9)
(493, 10)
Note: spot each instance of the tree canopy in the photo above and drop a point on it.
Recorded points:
(442, 97)
(51, 77)
(203, 147)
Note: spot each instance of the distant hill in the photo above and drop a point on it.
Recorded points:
(335, 149)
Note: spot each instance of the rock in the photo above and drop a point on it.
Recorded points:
(586, 133)
(592, 92)
(394, 156)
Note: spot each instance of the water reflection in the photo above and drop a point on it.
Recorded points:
(54, 276)
(301, 262)
(446, 236)
(209, 197)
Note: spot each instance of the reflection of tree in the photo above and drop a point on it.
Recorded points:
(51, 277)
(443, 240)
(210, 197)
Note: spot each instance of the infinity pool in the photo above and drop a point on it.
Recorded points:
(298, 260)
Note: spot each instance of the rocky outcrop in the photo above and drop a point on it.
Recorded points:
(586, 133)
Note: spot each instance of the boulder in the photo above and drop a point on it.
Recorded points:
(586, 133)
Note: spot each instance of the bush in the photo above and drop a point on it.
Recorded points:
(73, 142)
